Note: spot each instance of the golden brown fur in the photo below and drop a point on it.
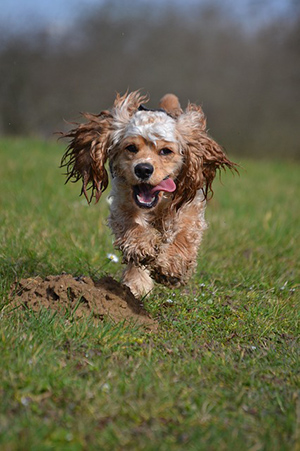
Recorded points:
(162, 165)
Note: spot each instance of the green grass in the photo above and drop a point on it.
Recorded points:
(221, 373)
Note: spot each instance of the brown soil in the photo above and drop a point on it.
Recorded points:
(102, 298)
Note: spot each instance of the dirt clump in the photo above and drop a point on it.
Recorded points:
(83, 296)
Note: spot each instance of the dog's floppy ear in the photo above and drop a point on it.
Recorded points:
(202, 156)
(170, 103)
(87, 153)
(124, 108)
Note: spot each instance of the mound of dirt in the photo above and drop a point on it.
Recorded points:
(102, 298)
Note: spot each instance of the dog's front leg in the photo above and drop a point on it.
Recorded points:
(177, 260)
(181, 239)
(138, 280)
(138, 245)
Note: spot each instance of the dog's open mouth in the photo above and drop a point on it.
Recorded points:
(146, 196)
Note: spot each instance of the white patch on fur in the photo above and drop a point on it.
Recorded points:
(151, 125)
(141, 220)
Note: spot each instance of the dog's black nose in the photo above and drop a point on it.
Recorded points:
(144, 170)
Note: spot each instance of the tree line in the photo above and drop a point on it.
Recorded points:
(247, 80)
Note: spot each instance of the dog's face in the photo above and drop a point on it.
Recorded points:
(148, 157)
(156, 153)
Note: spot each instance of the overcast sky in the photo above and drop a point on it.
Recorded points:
(26, 14)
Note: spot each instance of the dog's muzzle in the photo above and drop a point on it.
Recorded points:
(147, 196)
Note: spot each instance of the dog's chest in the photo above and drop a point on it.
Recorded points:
(167, 227)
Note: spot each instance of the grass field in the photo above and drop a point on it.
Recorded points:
(222, 371)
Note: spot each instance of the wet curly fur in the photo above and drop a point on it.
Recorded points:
(162, 164)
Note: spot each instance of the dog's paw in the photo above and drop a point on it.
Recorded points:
(167, 279)
(141, 255)
(172, 271)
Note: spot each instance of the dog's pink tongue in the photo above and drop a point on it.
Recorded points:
(166, 185)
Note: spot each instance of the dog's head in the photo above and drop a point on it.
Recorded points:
(156, 153)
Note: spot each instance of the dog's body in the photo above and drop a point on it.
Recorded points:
(160, 244)
(162, 165)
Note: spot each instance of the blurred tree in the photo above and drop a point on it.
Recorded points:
(247, 79)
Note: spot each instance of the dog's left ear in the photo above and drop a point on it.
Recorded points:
(87, 153)
(202, 156)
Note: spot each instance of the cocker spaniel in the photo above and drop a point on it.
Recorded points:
(162, 164)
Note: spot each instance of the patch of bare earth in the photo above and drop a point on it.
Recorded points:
(101, 298)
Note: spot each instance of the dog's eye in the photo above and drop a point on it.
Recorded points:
(165, 151)
(132, 148)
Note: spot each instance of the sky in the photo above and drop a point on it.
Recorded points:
(27, 14)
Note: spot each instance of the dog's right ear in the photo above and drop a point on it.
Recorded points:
(87, 153)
